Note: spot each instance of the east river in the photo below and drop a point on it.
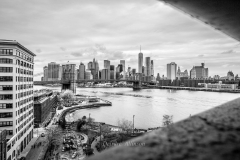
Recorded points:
(150, 105)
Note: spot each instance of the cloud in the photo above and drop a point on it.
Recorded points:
(114, 30)
(38, 50)
(201, 55)
(229, 52)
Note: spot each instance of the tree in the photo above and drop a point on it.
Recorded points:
(67, 96)
(126, 125)
(80, 123)
(105, 129)
(167, 120)
(84, 118)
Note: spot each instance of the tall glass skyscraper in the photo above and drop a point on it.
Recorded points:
(140, 62)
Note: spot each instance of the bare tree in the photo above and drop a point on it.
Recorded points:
(167, 120)
(67, 96)
(126, 125)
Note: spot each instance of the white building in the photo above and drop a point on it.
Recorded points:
(171, 71)
(219, 86)
(16, 96)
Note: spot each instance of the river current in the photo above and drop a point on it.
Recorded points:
(148, 105)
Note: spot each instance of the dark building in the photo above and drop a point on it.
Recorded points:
(45, 103)
(3, 144)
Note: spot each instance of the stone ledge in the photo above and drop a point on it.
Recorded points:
(214, 134)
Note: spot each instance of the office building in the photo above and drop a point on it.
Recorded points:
(134, 71)
(53, 71)
(199, 72)
(122, 62)
(95, 69)
(112, 72)
(171, 71)
(88, 74)
(140, 62)
(181, 74)
(143, 71)
(60, 73)
(152, 68)
(16, 96)
(147, 66)
(230, 75)
(107, 66)
(3, 144)
(104, 74)
(45, 73)
(81, 71)
(45, 103)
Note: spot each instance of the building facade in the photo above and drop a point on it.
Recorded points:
(16, 96)
(45, 73)
(107, 66)
(112, 72)
(152, 68)
(53, 71)
(3, 144)
(199, 72)
(171, 71)
(81, 71)
(122, 62)
(140, 62)
(230, 75)
(181, 74)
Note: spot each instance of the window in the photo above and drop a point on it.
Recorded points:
(6, 88)
(6, 96)
(6, 78)
(6, 123)
(6, 105)
(6, 51)
(6, 115)
(6, 60)
(6, 69)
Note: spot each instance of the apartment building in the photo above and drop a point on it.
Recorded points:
(16, 96)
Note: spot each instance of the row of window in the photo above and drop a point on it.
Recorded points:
(24, 101)
(23, 71)
(6, 115)
(25, 122)
(6, 87)
(6, 69)
(6, 123)
(6, 105)
(6, 78)
(24, 56)
(24, 64)
(6, 51)
(6, 96)
(23, 94)
(24, 86)
(6, 61)
(20, 111)
(24, 79)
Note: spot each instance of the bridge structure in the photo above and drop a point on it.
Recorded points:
(71, 84)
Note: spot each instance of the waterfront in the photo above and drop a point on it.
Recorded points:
(148, 111)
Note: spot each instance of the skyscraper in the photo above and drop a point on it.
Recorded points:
(16, 95)
(199, 71)
(112, 72)
(171, 71)
(140, 61)
(81, 71)
(107, 66)
(45, 73)
(60, 72)
(148, 66)
(53, 71)
(123, 65)
(152, 68)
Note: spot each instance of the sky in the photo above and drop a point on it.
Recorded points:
(80, 30)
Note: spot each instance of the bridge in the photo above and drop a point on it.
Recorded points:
(66, 84)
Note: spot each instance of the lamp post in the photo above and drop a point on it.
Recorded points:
(133, 123)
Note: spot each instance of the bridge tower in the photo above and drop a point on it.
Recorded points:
(137, 85)
(69, 77)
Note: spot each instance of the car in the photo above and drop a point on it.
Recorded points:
(63, 149)
(42, 135)
(74, 154)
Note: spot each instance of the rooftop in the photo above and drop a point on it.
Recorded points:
(14, 42)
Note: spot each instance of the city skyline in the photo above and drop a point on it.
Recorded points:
(165, 34)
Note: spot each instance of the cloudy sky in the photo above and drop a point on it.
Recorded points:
(79, 30)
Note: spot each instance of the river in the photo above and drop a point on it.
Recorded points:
(148, 111)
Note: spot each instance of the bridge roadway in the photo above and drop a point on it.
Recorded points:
(85, 81)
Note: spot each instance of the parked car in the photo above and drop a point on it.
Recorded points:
(74, 155)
